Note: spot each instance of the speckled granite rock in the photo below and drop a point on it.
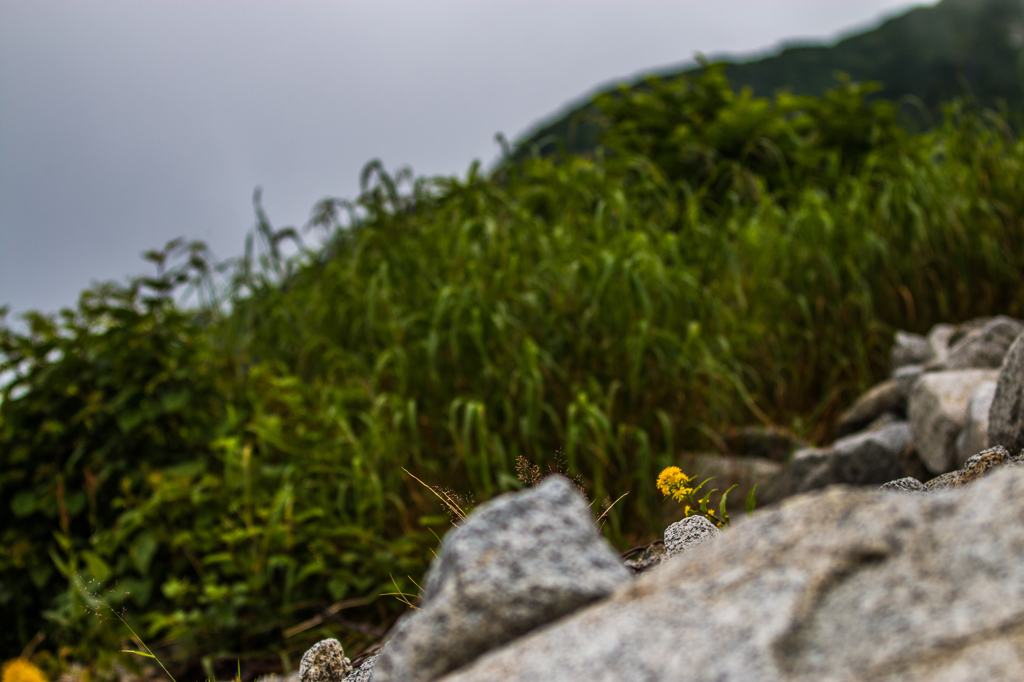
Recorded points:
(976, 467)
(324, 662)
(1006, 416)
(521, 560)
(840, 586)
(938, 411)
(904, 485)
(687, 533)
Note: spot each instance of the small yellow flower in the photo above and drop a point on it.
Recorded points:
(21, 670)
(672, 482)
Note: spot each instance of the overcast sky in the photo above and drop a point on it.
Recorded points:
(126, 124)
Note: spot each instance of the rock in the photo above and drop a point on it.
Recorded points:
(883, 420)
(974, 437)
(687, 533)
(909, 349)
(905, 377)
(984, 346)
(904, 485)
(869, 458)
(977, 466)
(884, 397)
(763, 442)
(1006, 416)
(808, 470)
(644, 558)
(519, 561)
(324, 662)
(939, 340)
(840, 585)
(938, 410)
(365, 670)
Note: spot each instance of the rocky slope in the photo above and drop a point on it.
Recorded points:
(909, 580)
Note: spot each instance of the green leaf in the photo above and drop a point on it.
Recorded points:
(97, 566)
(721, 506)
(172, 402)
(142, 552)
(128, 420)
(64, 569)
(23, 504)
(750, 500)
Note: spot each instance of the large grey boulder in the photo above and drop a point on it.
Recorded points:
(881, 398)
(974, 437)
(938, 411)
(984, 346)
(519, 561)
(1006, 416)
(838, 586)
(868, 458)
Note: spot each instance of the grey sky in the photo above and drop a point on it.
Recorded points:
(125, 124)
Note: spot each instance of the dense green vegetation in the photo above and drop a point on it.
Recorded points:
(923, 58)
(231, 471)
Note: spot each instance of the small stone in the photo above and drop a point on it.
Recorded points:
(324, 662)
(904, 485)
(909, 349)
(687, 533)
(644, 558)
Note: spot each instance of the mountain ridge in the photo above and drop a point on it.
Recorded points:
(924, 57)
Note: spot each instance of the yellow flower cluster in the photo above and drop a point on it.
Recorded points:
(21, 670)
(672, 482)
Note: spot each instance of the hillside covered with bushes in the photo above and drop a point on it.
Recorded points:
(219, 451)
(923, 59)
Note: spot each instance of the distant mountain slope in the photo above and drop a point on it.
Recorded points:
(931, 53)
